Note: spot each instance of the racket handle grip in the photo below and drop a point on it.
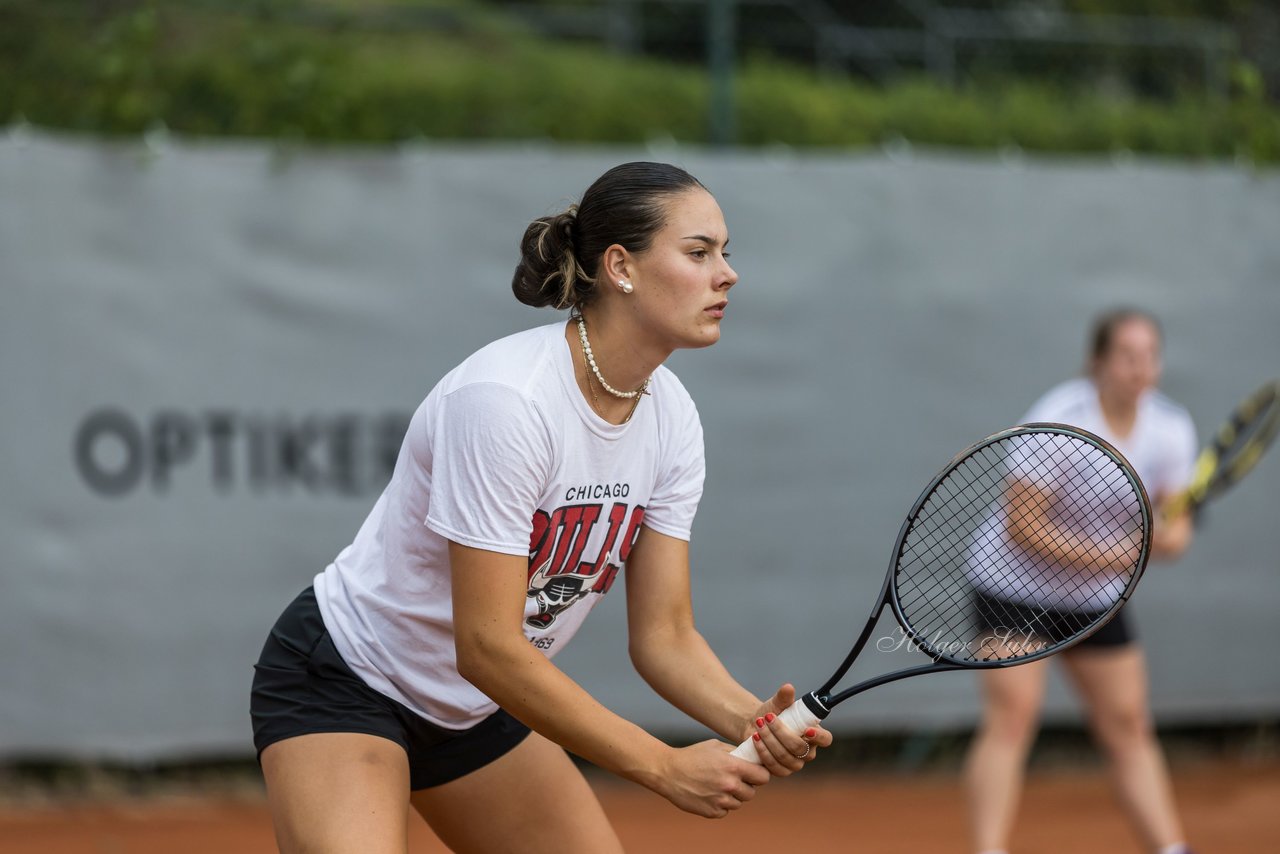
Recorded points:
(798, 717)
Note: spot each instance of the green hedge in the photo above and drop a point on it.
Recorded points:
(198, 69)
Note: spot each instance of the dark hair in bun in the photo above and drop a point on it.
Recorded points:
(559, 254)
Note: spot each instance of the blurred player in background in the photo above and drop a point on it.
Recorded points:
(413, 670)
(1117, 400)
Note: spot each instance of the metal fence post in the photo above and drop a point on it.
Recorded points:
(721, 34)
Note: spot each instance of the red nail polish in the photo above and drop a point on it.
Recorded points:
(769, 717)
(810, 732)
(756, 736)
(759, 721)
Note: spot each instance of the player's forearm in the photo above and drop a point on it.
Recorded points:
(1052, 543)
(536, 692)
(1047, 542)
(682, 668)
(1029, 524)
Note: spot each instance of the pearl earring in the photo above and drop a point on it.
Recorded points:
(626, 286)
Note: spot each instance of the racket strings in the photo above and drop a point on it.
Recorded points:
(1083, 491)
(970, 591)
(1068, 538)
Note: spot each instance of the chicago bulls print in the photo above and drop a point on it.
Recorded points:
(560, 574)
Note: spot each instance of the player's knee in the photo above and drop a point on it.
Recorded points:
(1013, 716)
(1125, 728)
(1012, 730)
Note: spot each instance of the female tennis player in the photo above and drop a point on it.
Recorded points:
(1118, 401)
(413, 670)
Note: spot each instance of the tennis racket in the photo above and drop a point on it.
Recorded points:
(1024, 544)
(1233, 452)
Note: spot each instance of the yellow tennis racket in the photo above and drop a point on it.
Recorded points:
(1234, 450)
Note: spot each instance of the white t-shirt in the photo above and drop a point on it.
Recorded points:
(506, 455)
(1161, 448)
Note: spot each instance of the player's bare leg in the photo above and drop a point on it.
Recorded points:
(338, 792)
(1114, 686)
(997, 757)
(532, 800)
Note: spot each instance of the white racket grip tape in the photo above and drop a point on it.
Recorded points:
(798, 717)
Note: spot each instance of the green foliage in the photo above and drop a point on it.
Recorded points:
(287, 70)
(1203, 9)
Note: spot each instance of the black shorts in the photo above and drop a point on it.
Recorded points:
(301, 685)
(1054, 626)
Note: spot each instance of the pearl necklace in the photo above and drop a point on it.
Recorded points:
(595, 402)
(591, 362)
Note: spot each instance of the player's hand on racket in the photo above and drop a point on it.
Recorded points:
(706, 780)
(781, 749)
(1171, 532)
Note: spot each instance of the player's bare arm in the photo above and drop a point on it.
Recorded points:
(673, 657)
(1033, 528)
(494, 655)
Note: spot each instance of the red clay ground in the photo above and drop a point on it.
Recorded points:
(1229, 807)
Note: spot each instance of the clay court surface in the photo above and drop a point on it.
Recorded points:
(1229, 807)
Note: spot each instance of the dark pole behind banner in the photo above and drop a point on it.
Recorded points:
(720, 59)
